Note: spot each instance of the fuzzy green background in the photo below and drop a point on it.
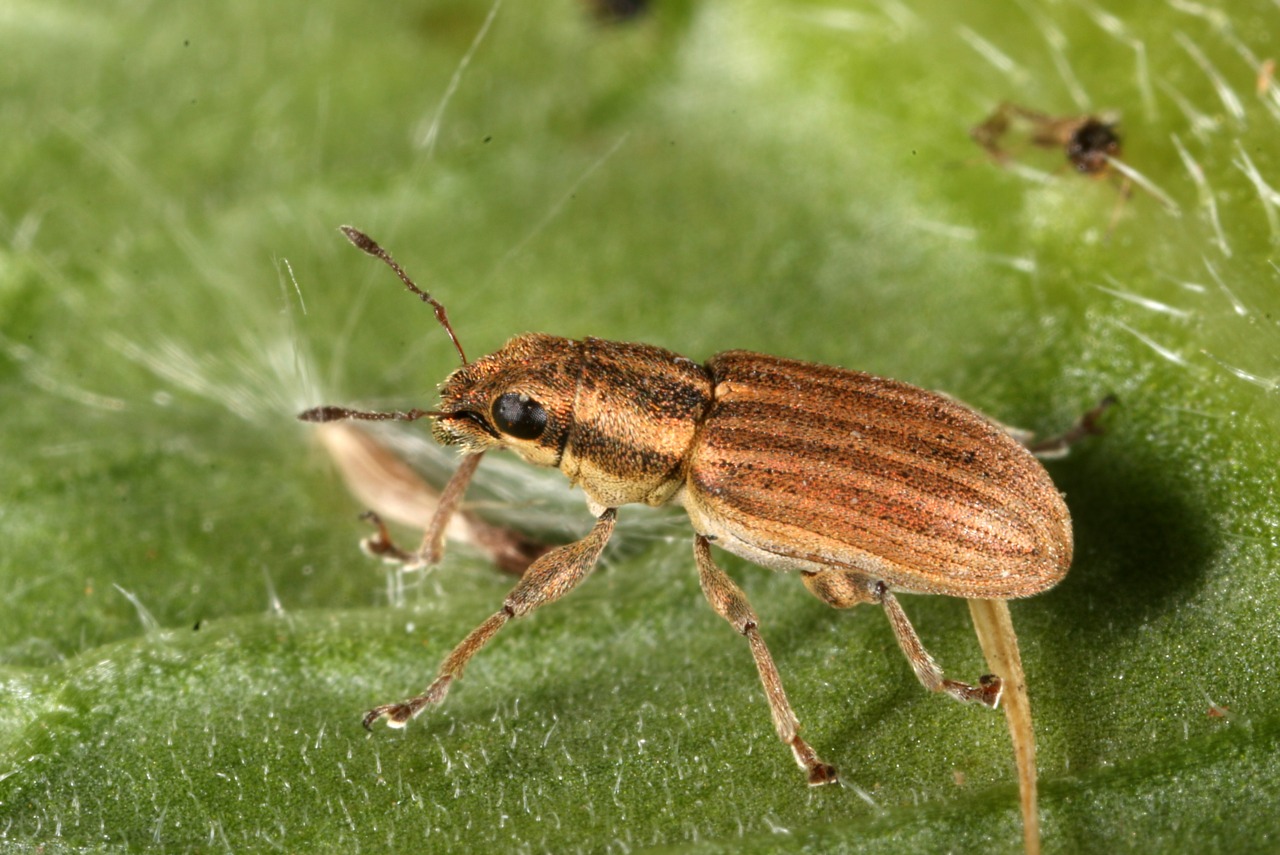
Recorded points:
(188, 634)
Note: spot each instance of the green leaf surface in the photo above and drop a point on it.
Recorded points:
(189, 636)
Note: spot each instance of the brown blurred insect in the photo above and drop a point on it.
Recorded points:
(617, 11)
(1266, 76)
(865, 486)
(1089, 142)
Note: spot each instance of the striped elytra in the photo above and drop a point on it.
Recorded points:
(819, 467)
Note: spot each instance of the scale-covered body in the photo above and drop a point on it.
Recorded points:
(792, 465)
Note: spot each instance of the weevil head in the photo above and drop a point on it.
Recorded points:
(519, 398)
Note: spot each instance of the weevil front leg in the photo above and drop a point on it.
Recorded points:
(844, 590)
(431, 550)
(547, 579)
(731, 604)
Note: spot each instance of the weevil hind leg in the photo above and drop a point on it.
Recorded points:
(1053, 447)
(989, 687)
(845, 590)
(731, 604)
(1058, 446)
(548, 579)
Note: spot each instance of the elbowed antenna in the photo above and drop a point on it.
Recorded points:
(364, 243)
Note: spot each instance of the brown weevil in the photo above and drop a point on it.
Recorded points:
(866, 487)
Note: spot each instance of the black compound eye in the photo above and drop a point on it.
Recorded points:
(518, 415)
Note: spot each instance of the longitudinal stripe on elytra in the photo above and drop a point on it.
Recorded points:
(932, 443)
(755, 459)
(950, 543)
(784, 454)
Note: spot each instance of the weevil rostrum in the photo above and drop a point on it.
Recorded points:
(866, 487)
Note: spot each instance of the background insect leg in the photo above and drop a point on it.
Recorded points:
(991, 132)
(549, 578)
(731, 604)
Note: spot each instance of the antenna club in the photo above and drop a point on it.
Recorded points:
(360, 240)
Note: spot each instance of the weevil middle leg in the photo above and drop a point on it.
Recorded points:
(731, 604)
(844, 590)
